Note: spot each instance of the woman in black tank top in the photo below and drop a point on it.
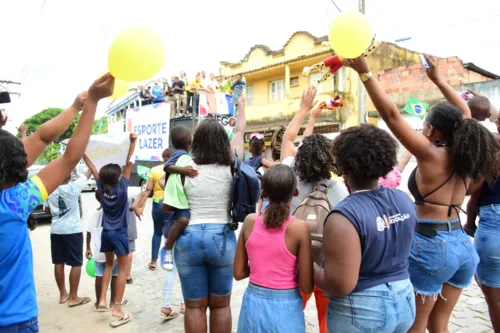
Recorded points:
(451, 150)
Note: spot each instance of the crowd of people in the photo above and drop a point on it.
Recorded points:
(375, 259)
(183, 93)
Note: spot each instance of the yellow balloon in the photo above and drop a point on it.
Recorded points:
(350, 34)
(121, 87)
(136, 54)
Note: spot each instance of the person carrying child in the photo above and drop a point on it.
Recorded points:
(274, 250)
(175, 201)
(112, 186)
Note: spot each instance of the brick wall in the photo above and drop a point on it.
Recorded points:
(413, 77)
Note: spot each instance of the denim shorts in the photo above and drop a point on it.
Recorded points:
(115, 241)
(172, 217)
(204, 256)
(486, 242)
(388, 307)
(29, 326)
(449, 257)
(271, 310)
(99, 268)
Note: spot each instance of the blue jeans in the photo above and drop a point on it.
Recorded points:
(169, 287)
(158, 221)
(271, 310)
(486, 242)
(204, 255)
(388, 307)
(449, 257)
(30, 326)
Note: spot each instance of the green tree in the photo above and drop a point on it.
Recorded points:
(100, 126)
(53, 150)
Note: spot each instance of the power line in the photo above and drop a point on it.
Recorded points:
(336, 6)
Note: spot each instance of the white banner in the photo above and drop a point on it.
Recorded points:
(152, 125)
(104, 149)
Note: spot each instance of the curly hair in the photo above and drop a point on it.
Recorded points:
(255, 146)
(13, 160)
(211, 144)
(314, 161)
(365, 152)
(472, 147)
(278, 184)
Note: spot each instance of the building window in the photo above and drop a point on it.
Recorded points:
(249, 95)
(315, 77)
(277, 91)
(294, 81)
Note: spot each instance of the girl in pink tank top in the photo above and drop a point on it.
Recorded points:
(274, 250)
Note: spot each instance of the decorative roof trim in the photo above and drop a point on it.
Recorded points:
(268, 51)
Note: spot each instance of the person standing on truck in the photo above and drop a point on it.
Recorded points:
(66, 238)
(158, 213)
(178, 88)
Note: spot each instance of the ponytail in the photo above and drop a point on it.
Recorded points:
(474, 151)
(276, 214)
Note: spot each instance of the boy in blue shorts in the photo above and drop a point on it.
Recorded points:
(112, 186)
(175, 201)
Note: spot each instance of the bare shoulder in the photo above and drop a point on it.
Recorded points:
(248, 225)
(298, 228)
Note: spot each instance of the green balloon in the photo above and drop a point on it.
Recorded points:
(90, 268)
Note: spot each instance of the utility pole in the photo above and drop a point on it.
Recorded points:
(362, 108)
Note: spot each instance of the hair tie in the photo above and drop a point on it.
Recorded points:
(257, 136)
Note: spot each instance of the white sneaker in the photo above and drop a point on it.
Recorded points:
(167, 260)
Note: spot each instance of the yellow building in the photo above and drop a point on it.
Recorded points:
(275, 82)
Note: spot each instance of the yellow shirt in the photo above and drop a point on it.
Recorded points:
(195, 84)
(156, 173)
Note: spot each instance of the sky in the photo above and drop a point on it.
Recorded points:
(56, 48)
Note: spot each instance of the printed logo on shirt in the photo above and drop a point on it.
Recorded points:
(109, 196)
(385, 223)
(63, 209)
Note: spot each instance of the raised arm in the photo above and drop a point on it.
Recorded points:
(55, 173)
(414, 142)
(127, 171)
(306, 104)
(23, 130)
(91, 167)
(403, 162)
(35, 144)
(238, 142)
(448, 92)
(315, 114)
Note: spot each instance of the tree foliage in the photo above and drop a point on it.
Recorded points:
(101, 124)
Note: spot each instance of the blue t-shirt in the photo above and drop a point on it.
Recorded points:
(115, 205)
(157, 91)
(17, 284)
(173, 159)
(179, 84)
(254, 161)
(386, 220)
(490, 195)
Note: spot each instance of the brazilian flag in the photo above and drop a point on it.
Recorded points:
(416, 108)
(143, 172)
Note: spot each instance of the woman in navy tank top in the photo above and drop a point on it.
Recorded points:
(367, 240)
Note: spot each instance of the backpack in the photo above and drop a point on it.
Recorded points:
(314, 208)
(246, 192)
(256, 164)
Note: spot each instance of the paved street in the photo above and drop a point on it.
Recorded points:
(145, 295)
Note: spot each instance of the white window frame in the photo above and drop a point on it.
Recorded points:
(249, 95)
(278, 94)
(315, 77)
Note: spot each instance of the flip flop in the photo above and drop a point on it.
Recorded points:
(64, 301)
(151, 267)
(101, 309)
(170, 316)
(130, 281)
(84, 300)
(121, 321)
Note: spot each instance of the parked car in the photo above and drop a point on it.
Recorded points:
(40, 215)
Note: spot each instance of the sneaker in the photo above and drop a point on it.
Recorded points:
(167, 260)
